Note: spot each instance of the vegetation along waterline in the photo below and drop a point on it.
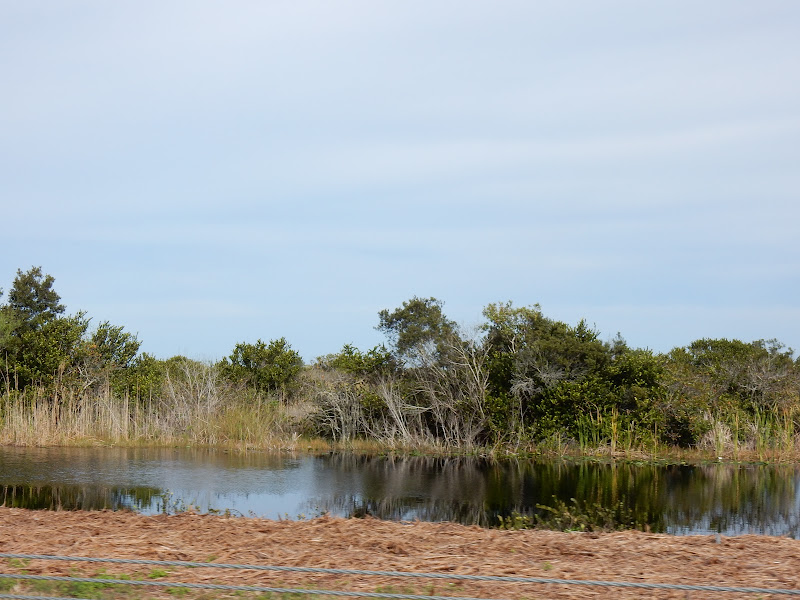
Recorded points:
(522, 384)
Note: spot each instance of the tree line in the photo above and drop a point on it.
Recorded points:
(518, 379)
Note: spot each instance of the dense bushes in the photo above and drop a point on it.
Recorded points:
(519, 380)
(525, 379)
(268, 368)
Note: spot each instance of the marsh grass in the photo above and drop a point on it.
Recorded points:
(198, 409)
(33, 419)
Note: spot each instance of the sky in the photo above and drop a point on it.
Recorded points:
(206, 173)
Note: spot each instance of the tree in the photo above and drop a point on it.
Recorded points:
(417, 329)
(108, 351)
(720, 380)
(8, 326)
(32, 299)
(636, 382)
(372, 364)
(732, 373)
(142, 379)
(271, 368)
(45, 355)
(114, 347)
(543, 372)
(38, 345)
(451, 387)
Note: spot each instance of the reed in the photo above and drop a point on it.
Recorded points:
(34, 419)
(197, 408)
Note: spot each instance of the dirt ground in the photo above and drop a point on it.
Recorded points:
(753, 561)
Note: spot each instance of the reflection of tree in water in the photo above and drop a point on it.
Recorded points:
(677, 498)
(28, 479)
(736, 500)
(425, 488)
(222, 459)
(77, 497)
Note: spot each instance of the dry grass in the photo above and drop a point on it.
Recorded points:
(412, 547)
(103, 419)
(198, 410)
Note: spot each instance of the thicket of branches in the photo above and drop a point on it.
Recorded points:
(518, 379)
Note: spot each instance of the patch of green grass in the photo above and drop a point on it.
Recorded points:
(178, 592)
(103, 574)
(19, 563)
(83, 589)
(157, 574)
(105, 590)
(390, 589)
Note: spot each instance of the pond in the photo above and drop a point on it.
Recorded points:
(679, 499)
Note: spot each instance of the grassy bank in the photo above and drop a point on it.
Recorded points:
(231, 419)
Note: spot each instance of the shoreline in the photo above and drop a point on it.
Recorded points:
(316, 447)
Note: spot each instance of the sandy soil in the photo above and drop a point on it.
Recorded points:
(754, 561)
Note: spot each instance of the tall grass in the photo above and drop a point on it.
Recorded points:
(197, 407)
(612, 435)
(194, 408)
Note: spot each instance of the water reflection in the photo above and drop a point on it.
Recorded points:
(729, 499)
(76, 497)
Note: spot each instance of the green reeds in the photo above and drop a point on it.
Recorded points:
(610, 434)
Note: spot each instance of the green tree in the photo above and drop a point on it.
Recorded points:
(32, 299)
(9, 325)
(636, 376)
(114, 347)
(373, 363)
(142, 379)
(730, 373)
(417, 329)
(543, 372)
(636, 386)
(270, 368)
(46, 355)
(38, 345)
(722, 380)
(105, 355)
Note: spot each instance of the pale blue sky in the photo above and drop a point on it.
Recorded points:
(207, 172)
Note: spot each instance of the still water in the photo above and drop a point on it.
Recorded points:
(680, 499)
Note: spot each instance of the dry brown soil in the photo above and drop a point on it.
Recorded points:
(754, 561)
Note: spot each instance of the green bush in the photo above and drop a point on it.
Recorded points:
(269, 368)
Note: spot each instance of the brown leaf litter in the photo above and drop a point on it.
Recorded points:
(448, 548)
